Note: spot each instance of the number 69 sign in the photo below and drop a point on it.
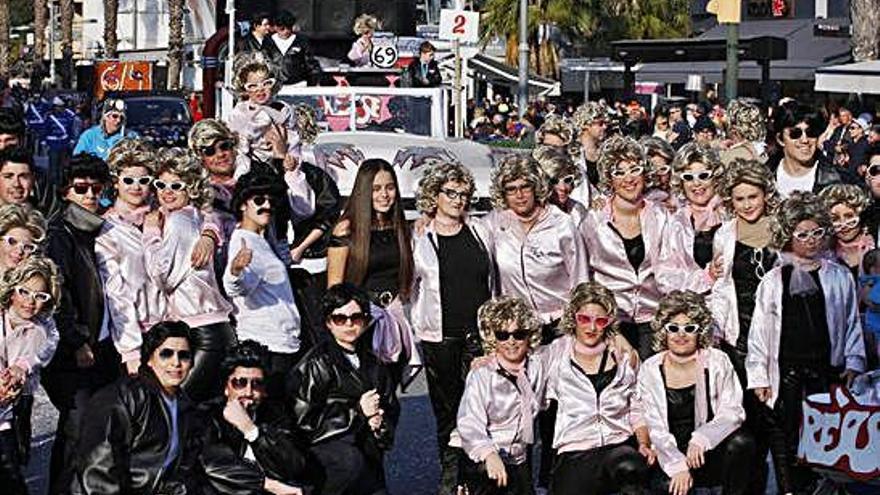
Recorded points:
(462, 25)
(384, 56)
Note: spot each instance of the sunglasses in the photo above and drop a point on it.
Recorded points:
(692, 176)
(520, 335)
(81, 189)
(260, 200)
(26, 247)
(675, 328)
(620, 173)
(182, 355)
(358, 319)
(453, 195)
(264, 84)
(225, 145)
(662, 170)
(847, 224)
(514, 190)
(797, 133)
(600, 322)
(41, 297)
(806, 235)
(873, 170)
(240, 383)
(143, 180)
(114, 116)
(174, 186)
(568, 180)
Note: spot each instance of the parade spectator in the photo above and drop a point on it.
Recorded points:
(693, 402)
(99, 139)
(16, 176)
(662, 127)
(746, 132)
(365, 26)
(60, 134)
(799, 166)
(704, 131)
(12, 130)
(681, 129)
(349, 434)
(261, 32)
(852, 159)
(291, 52)
(805, 333)
(501, 400)
(453, 276)
(840, 135)
(86, 359)
(193, 296)
(850, 241)
(424, 71)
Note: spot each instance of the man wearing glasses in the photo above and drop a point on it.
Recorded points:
(801, 167)
(98, 139)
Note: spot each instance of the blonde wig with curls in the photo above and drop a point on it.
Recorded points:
(513, 167)
(850, 195)
(558, 125)
(688, 303)
(746, 121)
(496, 314)
(587, 113)
(248, 63)
(795, 209)
(655, 146)
(364, 23)
(206, 132)
(34, 266)
(618, 149)
(186, 165)
(129, 153)
(589, 293)
(432, 181)
(556, 163)
(753, 173)
(689, 154)
(23, 216)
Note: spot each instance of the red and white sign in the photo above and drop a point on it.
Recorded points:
(113, 75)
(462, 25)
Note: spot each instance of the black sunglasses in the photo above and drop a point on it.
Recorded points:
(166, 354)
(240, 383)
(502, 336)
(225, 145)
(81, 189)
(797, 132)
(873, 170)
(340, 319)
(260, 200)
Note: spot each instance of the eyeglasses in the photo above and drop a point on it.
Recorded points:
(453, 195)
(600, 322)
(26, 247)
(873, 170)
(114, 116)
(224, 145)
(692, 176)
(795, 133)
(143, 180)
(806, 235)
(174, 186)
(849, 223)
(182, 355)
(40, 297)
(514, 190)
(757, 261)
(240, 383)
(260, 200)
(690, 328)
(520, 335)
(662, 170)
(357, 319)
(82, 189)
(568, 180)
(619, 173)
(264, 84)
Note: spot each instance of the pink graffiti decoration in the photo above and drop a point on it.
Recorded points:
(337, 109)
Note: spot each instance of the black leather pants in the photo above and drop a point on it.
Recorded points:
(640, 336)
(11, 477)
(609, 469)
(729, 465)
(209, 343)
(519, 479)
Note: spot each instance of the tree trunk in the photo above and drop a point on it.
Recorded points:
(866, 29)
(111, 41)
(66, 43)
(41, 18)
(4, 38)
(175, 43)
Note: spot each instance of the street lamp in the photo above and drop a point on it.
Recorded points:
(523, 96)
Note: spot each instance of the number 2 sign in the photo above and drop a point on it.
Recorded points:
(463, 25)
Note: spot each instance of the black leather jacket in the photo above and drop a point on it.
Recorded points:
(297, 64)
(325, 390)
(328, 207)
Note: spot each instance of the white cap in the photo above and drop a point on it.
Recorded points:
(57, 101)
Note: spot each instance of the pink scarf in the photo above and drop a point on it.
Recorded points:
(586, 350)
(706, 217)
(861, 245)
(132, 216)
(528, 403)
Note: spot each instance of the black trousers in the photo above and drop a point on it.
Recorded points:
(610, 469)
(519, 479)
(23, 410)
(11, 478)
(309, 290)
(547, 419)
(640, 336)
(727, 465)
(446, 366)
(277, 367)
(346, 469)
(209, 343)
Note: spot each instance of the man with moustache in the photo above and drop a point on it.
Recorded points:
(800, 166)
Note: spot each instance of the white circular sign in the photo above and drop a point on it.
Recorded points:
(384, 56)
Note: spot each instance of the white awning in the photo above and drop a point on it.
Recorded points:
(861, 78)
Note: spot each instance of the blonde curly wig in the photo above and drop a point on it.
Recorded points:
(364, 23)
(558, 125)
(753, 173)
(512, 167)
(850, 195)
(496, 314)
(433, 179)
(306, 123)
(247, 63)
(23, 216)
(795, 209)
(129, 153)
(186, 165)
(618, 149)
(206, 132)
(34, 266)
(589, 293)
(691, 153)
(587, 113)
(688, 303)
(746, 121)
(555, 164)
(655, 146)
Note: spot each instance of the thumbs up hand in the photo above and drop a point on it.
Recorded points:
(242, 259)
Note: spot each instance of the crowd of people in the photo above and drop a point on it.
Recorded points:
(634, 316)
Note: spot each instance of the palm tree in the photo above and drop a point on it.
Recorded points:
(175, 43)
(4, 38)
(66, 43)
(865, 21)
(41, 17)
(111, 41)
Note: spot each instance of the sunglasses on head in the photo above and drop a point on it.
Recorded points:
(798, 132)
(702, 176)
(599, 322)
(174, 186)
(340, 319)
(502, 336)
(568, 180)
(225, 145)
(143, 180)
(26, 247)
(806, 235)
(82, 189)
(182, 355)
(41, 297)
(675, 328)
(240, 383)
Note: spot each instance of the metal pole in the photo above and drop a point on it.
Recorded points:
(523, 94)
(230, 56)
(732, 72)
(134, 25)
(52, 42)
(456, 90)
(586, 85)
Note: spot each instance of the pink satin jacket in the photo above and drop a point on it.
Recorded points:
(676, 269)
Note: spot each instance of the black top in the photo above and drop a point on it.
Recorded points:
(749, 266)
(464, 280)
(804, 337)
(600, 379)
(592, 172)
(680, 414)
(703, 246)
(384, 263)
(635, 248)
